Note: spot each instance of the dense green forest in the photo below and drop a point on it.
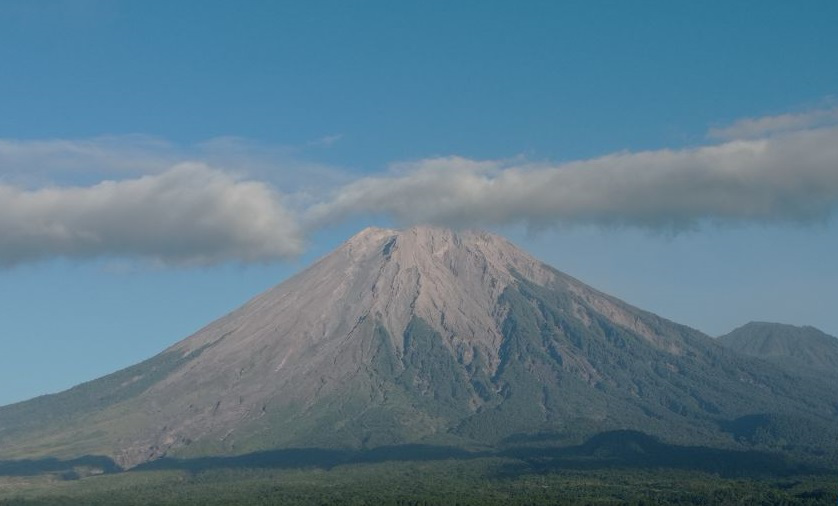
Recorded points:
(411, 483)
(613, 468)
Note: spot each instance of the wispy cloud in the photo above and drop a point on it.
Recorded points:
(190, 214)
(325, 142)
(37, 162)
(784, 178)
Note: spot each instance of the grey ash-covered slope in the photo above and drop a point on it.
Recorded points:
(802, 349)
(420, 335)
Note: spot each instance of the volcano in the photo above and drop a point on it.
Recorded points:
(430, 336)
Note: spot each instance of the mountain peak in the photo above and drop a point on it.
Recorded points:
(450, 279)
(803, 349)
(441, 244)
(427, 235)
(755, 324)
(780, 330)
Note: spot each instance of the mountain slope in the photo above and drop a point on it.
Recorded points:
(800, 349)
(422, 335)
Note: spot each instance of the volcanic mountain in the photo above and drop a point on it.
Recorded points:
(421, 335)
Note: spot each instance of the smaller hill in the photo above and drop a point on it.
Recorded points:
(798, 349)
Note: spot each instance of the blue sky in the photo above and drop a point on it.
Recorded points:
(680, 155)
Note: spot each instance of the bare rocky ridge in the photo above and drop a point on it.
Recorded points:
(418, 335)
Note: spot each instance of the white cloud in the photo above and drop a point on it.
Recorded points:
(751, 128)
(783, 178)
(190, 214)
(64, 197)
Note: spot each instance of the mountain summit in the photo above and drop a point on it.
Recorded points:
(805, 350)
(420, 335)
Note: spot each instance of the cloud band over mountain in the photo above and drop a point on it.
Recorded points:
(787, 178)
(192, 213)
